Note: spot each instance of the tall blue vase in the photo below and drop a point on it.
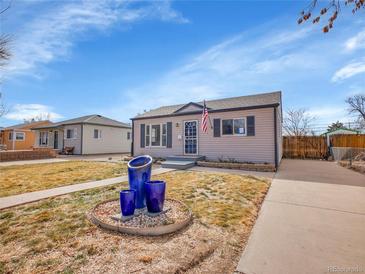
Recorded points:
(139, 172)
(155, 196)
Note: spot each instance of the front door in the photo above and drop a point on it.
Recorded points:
(191, 137)
(55, 140)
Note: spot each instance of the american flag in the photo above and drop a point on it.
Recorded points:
(205, 119)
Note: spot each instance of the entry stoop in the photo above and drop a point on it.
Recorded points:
(182, 162)
(178, 164)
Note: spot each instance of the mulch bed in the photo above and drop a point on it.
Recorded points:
(242, 166)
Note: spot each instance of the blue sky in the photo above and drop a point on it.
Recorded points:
(118, 58)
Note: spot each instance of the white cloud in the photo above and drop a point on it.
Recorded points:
(329, 113)
(356, 42)
(28, 111)
(51, 34)
(349, 70)
(300, 62)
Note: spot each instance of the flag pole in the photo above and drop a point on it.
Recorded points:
(210, 121)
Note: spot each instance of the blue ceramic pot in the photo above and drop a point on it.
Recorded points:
(127, 202)
(155, 196)
(139, 172)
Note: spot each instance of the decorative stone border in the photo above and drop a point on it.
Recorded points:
(143, 231)
(243, 166)
(356, 166)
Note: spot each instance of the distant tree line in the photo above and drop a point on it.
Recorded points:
(299, 122)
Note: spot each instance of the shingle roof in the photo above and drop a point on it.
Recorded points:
(257, 100)
(94, 119)
(27, 124)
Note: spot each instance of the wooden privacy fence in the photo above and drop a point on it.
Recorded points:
(315, 147)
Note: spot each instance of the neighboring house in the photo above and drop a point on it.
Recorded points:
(92, 134)
(339, 131)
(20, 137)
(244, 129)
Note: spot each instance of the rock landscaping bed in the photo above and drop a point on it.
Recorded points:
(358, 166)
(243, 166)
(55, 236)
(175, 216)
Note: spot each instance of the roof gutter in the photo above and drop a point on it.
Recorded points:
(83, 123)
(211, 111)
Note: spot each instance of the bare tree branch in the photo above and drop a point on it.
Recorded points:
(297, 122)
(333, 8)
(3, 107)
(4, 49)
(5, 9)
(356, 105)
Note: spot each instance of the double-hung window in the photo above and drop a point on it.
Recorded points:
(148, 135)
(97, 134)
(20, 136)
(43, 138)
(70, 134)
(156, 135)
(164, 135)
(234, 127)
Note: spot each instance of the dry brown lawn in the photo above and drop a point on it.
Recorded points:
(55, 236)
(27, 178)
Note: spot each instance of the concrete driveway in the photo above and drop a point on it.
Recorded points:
(312, 221)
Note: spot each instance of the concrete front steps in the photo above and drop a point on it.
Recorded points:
(182, 161)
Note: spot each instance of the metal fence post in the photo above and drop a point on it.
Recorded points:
(351, 156)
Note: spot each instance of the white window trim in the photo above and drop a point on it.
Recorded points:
(150, 136)
(74, 133)
(20, 140)
(99, 134)
(39, 138)
(234, 134)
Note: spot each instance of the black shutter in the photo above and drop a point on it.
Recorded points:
(217, 127)
(250, 125)
(169, 134)
(143, 139)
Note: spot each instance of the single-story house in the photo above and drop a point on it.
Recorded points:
(19, 137)
(91, 134)
(244, 129)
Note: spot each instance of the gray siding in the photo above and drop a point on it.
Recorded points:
(74, 142)
(113, 140)
(258, 148)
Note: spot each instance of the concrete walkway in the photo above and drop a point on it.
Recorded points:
(29, 197)
(32, 162)
(312, 221)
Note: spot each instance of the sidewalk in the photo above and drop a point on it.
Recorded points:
(309, 226)
(29, 197)
(32, 162)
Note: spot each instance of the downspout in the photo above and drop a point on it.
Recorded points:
(13, 139)
(82, 138)
(132, 144)
(276, 139)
